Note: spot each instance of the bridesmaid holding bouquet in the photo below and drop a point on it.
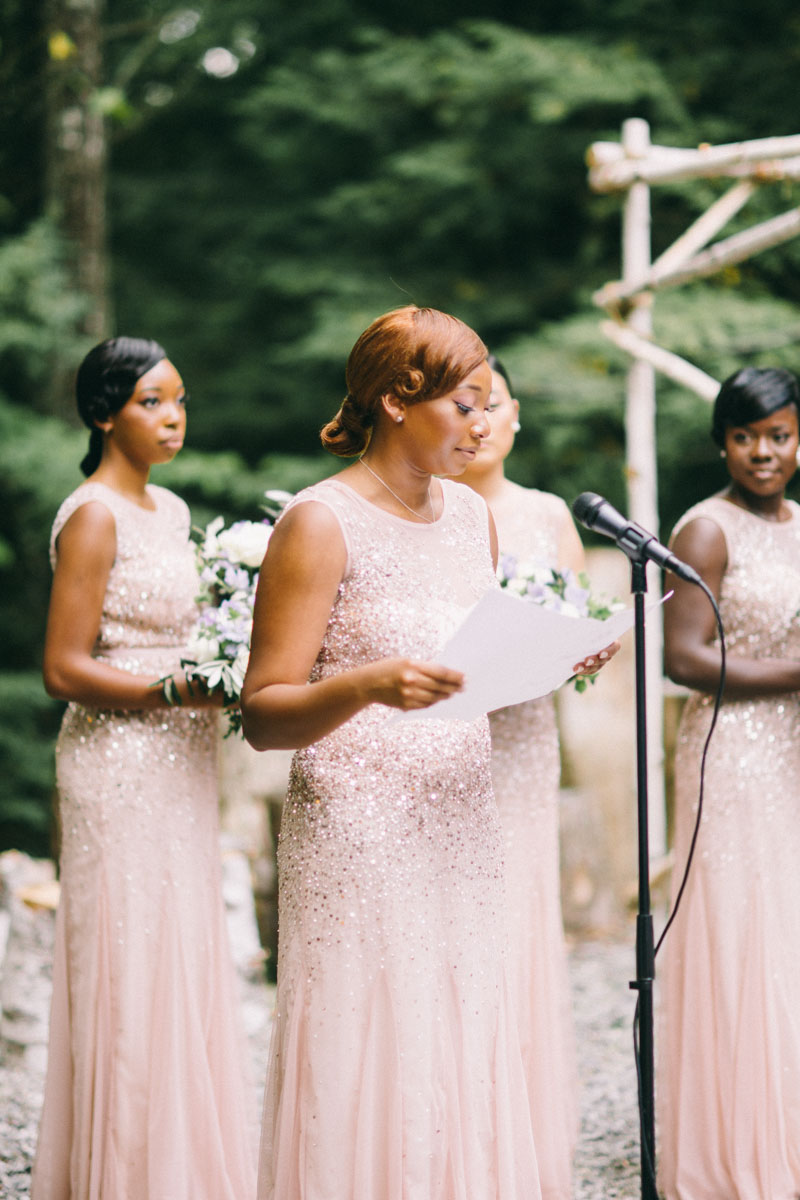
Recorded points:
(146, 1095)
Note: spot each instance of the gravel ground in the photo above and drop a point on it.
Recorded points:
(607, 1160)
(607, 1155)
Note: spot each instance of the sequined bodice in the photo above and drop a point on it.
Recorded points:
(760, 594)
(749, 806)
(406, 586)
(151, 594)
(376, 786)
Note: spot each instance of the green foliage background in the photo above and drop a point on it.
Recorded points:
(344, 159)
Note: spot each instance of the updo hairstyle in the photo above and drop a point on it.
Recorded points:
(105, 382)
(413, 353)
(751, 394)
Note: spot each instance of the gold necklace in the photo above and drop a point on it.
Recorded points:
(430, 520)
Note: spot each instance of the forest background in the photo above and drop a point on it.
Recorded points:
(251, 182)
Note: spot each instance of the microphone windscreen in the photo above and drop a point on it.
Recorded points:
(586, 507)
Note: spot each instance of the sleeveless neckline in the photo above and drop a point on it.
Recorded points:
(794, 512)
(150, 489)
(340, 485)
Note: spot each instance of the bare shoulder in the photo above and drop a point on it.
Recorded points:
(701, 538)
(310, 519)
(308, 537)
(90, 528)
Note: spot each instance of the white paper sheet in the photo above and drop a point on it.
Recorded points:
(511, 650)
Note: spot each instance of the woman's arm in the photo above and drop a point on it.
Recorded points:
(690, 628)
(303, 567)
(87, 546)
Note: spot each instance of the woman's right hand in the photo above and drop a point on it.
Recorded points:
(407, 684)
(180, 692)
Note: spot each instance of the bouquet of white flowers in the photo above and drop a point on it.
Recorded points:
(562, 590)
(219, 647)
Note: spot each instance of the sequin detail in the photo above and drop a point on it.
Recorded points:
(526, 770)
(729, 1098)
(396, 1068)
(146, 1092)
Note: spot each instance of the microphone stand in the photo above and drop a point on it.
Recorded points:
(645, 953)
(638, 545)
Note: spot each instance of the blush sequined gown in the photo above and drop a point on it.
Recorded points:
(526, 769)
(395, 1069)
(728, 1087)
(146, 1096)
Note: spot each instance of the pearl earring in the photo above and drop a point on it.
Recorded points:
(399, 420)
(515, 427)
(723, 453)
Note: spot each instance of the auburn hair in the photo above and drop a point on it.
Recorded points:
(413, 353)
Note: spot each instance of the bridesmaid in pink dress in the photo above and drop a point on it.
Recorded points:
(146, 1095)
(537, 527)
(728, 1087)
(396, 1069)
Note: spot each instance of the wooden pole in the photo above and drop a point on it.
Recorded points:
(672, 365)
(640, 432)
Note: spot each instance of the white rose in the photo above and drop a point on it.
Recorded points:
(541, 574)
(202, 649)
(209, 547)
(245, 542)
(525, 568)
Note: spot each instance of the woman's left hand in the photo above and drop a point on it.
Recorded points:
(592, 664)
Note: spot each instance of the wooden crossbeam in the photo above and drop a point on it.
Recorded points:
(731, 250)
(709, 223)
(665, 361)
(611, 169)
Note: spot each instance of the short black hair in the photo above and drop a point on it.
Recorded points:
(751, 394)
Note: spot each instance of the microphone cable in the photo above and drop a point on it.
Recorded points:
(647, 1162)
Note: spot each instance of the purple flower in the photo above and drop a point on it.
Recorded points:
(507, 567)
(578, 597)
(236, 579)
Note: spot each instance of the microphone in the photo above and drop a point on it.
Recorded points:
(596, 513)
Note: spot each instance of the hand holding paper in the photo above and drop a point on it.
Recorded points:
(511, 650)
